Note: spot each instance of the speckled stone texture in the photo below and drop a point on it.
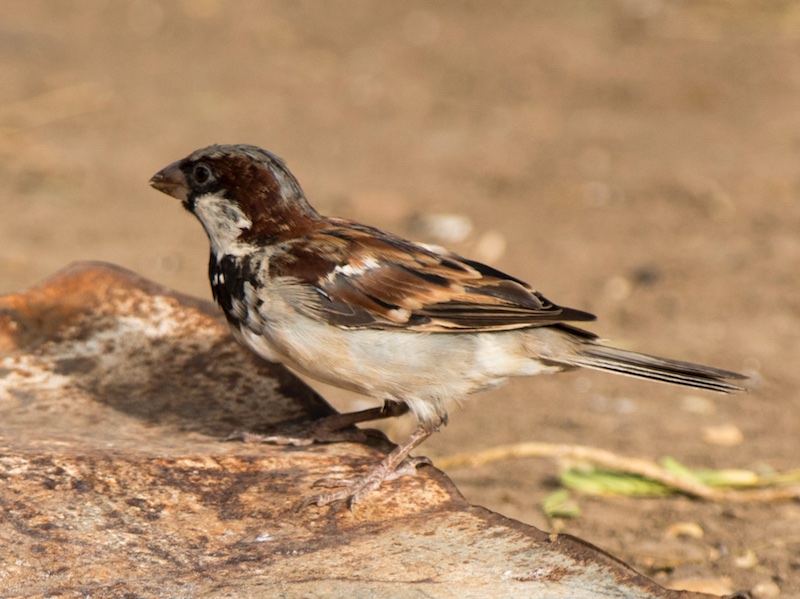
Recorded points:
(116, 396)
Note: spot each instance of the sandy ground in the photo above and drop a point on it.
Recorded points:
(639, 159)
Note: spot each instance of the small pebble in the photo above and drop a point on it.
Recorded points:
(441, 228)
(618, 288)
(724, 435)
(712, 586)
(685, 529)
(746, 560)
(624, 405)
(765, 590)
(694, 404)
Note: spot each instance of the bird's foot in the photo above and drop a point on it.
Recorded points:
(354, 490)
(396, 464)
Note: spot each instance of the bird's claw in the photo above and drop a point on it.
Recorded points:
(354, 490)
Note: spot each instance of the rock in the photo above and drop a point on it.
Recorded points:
(115, 397)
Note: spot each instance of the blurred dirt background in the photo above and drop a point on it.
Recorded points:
(639, 159)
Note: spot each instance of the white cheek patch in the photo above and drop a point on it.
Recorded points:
(223, 221)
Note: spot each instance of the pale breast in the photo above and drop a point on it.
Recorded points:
(430, 372)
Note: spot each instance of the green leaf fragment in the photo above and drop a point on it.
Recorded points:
(560, 504)
(605, 482)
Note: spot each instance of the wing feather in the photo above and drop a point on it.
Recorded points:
(366, 278)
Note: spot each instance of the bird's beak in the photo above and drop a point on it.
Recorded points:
(171, 181)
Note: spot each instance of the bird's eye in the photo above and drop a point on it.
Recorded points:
(201, 173)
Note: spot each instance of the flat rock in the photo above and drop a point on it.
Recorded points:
(116, 396)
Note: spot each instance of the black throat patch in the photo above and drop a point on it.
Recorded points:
(228, 276)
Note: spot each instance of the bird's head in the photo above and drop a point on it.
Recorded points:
(240, 193)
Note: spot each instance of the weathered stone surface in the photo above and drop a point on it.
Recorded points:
(115, 395)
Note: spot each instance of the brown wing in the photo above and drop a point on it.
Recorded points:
(366, 278)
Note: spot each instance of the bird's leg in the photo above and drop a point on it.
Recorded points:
(392, 466)
(330, 429)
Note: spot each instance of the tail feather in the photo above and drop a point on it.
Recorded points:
(620, 361)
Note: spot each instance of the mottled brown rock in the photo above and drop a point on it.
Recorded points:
(115, 395)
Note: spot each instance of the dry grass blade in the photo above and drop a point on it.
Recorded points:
(672, 475)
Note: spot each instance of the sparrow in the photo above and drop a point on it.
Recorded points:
(413, 325)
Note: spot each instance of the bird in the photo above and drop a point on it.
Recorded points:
(413, 325)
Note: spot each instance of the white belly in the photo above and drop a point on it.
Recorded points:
(428, 371)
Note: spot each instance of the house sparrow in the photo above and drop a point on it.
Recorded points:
(366, 310)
